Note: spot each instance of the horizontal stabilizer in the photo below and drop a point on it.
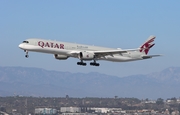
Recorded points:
(150, 56)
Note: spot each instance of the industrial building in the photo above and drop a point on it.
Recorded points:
(45, 111)
(70, 110)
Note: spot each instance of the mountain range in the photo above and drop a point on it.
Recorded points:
(28, 81)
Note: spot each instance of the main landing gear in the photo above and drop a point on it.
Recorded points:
(94, 63)
(84, 64)
(81, 63)
(26, 53)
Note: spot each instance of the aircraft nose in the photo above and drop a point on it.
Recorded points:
(21, 46)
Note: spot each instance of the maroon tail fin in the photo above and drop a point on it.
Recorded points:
(147, 45)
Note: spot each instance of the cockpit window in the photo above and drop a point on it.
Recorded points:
(25, 42)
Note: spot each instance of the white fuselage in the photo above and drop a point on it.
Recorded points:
(70, 49)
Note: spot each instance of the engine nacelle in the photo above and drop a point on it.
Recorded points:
(60, 57)
(86, 55)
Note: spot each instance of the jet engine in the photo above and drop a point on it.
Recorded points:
(86, 55)
(60, 57)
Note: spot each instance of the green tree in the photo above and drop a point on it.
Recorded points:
(160, 101)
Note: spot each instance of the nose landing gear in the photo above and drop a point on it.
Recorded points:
(26, 53)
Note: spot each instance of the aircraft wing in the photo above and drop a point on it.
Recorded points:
(111, 52)
(101, 53)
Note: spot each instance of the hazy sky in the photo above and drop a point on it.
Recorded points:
(109, 23)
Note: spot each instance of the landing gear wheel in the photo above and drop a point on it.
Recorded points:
(94, 64)
(81, 63)
(97, 64)
(84, 64)
(26, 56)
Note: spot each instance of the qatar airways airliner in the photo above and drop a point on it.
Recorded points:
(64, 50)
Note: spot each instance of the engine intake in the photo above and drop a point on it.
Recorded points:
(86, 55)
(60, 57)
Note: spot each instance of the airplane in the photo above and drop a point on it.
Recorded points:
(64, 50)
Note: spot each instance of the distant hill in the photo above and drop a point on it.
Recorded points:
(40, 82)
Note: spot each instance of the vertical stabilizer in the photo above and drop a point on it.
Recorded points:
(147, 45)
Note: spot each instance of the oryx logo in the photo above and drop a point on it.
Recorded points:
(147, 45)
